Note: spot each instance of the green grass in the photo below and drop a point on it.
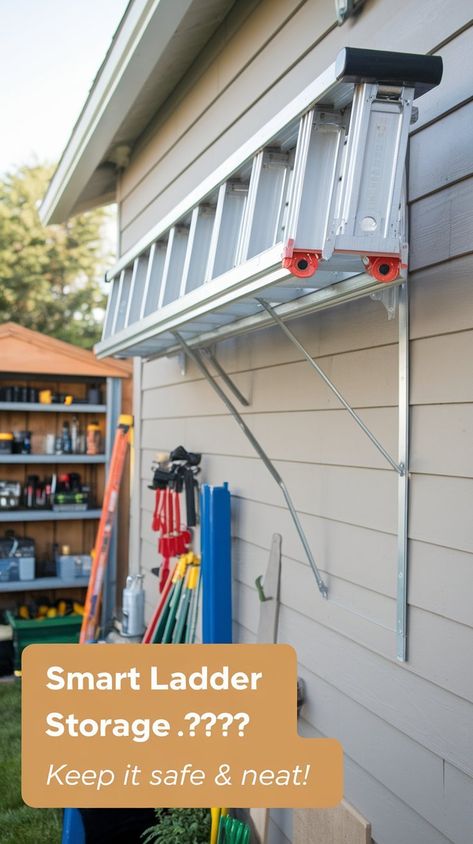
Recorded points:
(19, 824)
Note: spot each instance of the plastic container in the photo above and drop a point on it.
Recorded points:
(133, 618)
(43, 631)
(93, 438)
(69, 566)
(6, 443)
(17, 558)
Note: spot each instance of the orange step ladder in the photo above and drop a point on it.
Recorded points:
(102, 543)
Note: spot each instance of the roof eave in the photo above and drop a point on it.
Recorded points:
(144, 34)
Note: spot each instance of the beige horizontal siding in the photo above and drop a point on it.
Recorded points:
(442, 153)
(457, 58)
(442, 225)
(392, 820)
(415, 775)
(407, 729)
(408, 702)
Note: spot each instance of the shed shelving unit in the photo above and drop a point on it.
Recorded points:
(33, 360)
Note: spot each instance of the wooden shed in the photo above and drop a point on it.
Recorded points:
(45, 386)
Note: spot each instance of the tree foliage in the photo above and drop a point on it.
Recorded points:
(49, 276)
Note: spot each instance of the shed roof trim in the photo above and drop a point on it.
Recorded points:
(24, 350)
(139, 72)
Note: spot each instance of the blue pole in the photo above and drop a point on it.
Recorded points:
(72, 827)
(216, 565)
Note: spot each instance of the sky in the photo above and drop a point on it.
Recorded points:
(50, 51)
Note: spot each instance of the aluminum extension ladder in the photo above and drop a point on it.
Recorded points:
(319, 195)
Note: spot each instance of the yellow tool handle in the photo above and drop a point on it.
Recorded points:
(215, 814)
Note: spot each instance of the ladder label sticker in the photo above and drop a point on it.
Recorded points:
(170, 726)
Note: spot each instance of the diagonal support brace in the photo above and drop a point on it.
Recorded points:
(195, 356)
(399, 467)
(225, 378)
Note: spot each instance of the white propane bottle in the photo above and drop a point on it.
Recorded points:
(133, 606)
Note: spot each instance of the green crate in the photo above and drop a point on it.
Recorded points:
(43, 631)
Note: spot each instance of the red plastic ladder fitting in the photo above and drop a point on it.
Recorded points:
(300, 262)
(382, 269)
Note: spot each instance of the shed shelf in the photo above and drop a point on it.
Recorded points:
(47, 515)
(8, 459)
(37, 407)
(41, 583)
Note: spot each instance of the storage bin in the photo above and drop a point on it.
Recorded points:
(6, 443)
(17, 558)
(69, 566)
(43, 631)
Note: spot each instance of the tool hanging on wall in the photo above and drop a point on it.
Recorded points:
(104, 533)
(173, 474)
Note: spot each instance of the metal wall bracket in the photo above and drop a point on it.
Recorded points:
(345, 9)
(389, 297)
(403, 482)
(195, 356)
(399, 467)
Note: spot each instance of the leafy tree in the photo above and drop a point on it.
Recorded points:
(49, 276)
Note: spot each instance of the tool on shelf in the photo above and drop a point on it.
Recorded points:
(104, 533)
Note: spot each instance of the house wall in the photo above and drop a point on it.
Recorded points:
(406, 729)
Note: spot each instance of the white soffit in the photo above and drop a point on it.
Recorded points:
(155, 44)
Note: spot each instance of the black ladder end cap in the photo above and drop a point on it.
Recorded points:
(410, 69)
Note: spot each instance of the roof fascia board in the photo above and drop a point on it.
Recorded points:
(144, 35)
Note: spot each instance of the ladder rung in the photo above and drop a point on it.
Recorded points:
(175, 257)
(156, 277)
